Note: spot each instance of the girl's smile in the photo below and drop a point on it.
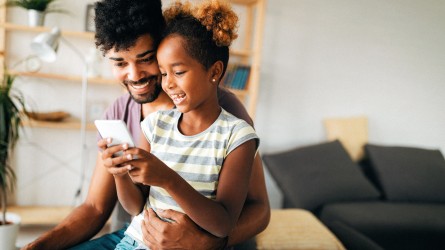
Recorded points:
(177, 98)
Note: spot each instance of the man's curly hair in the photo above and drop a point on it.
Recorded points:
(119, 23)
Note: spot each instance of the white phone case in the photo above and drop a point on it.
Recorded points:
(116, 129)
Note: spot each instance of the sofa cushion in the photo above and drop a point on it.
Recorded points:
(314, 175)
(392, 225)
(409, 174)
(296, 229)
(351, 238)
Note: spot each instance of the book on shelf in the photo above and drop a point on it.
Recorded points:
(237, 76)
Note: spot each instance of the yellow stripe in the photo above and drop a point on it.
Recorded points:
(195, 185)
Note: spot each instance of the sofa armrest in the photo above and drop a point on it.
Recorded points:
(296, 229)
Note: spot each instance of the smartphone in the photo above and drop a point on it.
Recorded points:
(117, 130)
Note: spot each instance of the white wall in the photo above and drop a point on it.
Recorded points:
(383, 59)
(321, 58)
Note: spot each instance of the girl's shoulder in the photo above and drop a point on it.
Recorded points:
(231, 120)
(164, 114)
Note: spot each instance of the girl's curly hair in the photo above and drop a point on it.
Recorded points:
(208, 28)
(218, 17)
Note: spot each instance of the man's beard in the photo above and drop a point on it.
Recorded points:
(149, 97)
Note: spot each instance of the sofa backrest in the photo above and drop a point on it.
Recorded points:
(314, 175)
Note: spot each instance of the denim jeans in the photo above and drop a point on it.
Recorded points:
(127, 243)
(105, 242)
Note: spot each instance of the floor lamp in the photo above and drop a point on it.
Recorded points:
(45, 45)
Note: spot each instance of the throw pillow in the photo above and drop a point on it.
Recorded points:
(314, 175)
(409, 174)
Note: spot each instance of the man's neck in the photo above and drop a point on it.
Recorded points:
(163, 102)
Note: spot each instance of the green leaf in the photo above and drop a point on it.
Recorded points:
(39, 5)
(11, 105)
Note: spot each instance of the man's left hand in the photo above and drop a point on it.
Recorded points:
(182, 233)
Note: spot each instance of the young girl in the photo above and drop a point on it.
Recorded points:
(198, 157)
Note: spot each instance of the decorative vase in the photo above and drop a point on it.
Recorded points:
(36, 18)
(9, 232)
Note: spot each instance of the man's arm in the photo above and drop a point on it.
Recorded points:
(256, 211)
(255, 215)
(86, 220)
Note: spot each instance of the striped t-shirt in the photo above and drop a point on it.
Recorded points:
(197, 159)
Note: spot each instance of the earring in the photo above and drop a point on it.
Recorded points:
(213, 80)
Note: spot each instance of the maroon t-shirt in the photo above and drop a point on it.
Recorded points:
(126, 109)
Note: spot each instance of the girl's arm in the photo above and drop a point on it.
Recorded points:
(218, 216)
(130, 195)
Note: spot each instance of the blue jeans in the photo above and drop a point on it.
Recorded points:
(106, 242)
(127, 243)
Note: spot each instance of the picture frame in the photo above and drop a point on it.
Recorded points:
(89, 18)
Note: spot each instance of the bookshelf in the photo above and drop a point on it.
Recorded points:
(253, 13)
(10, 27)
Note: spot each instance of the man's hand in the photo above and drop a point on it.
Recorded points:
(183, 233)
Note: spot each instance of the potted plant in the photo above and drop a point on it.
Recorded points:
(37, 9)
(11, 106)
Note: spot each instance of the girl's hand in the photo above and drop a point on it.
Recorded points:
(116, 165)
(147, 169)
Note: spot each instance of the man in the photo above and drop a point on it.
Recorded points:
(128, 31)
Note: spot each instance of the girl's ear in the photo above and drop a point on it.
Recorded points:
(216, 71)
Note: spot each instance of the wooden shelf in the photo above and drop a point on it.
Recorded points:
(241, 53)
(96, 80)
(42, 215)
(17, 27)
(36, 215)
(70, 123)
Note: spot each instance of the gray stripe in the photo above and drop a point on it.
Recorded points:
(164, 125)
(165, 199)
(243, 140)
(195, 177)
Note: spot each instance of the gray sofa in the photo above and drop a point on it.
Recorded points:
(393, 199)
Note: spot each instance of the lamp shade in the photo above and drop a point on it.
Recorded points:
(45, 45)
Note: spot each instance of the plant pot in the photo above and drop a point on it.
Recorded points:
(9, 232)
(36, 18)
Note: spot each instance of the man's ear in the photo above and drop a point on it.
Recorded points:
(216, 71)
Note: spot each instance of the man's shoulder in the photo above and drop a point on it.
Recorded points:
(231, 119)
(120, 107)
(123, 100)
(228, 101)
